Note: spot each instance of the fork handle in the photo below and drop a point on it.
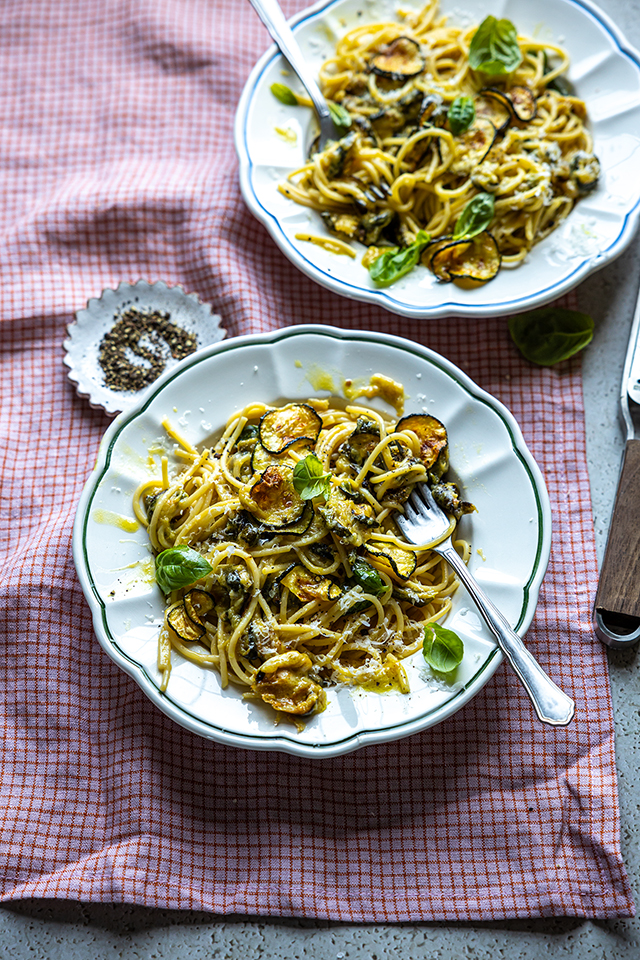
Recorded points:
(550, 703)
(273, 18)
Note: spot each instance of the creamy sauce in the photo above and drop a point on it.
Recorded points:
(115, 520)
(378, 386)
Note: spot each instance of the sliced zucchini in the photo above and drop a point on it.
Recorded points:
(396, 497)
(409, 596)
(447, 496)
(336, 155)
(308, 586)
(473, 145)
(348, 519)
(433, 111)
(431, 433)
(286, 425)
(302, 525)
(523, 103)
(273, 498)
(401, 563)
(290, 692)
(183, 627)
(197, 604)
(472, 261)
(585, 172)
(400, 60)
(342, 224)
(494, 105)
(261, 459)
(361, 443)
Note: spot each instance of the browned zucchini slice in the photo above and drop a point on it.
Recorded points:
(396, 497)
(473, 261)
(290, 692)
(273, 498)
(430, 432)
(447, 496)
(402, 563)
(184, 628)
(197, 604)
(432, 111)
(523, 103)
(308, 586)
(347, 518)
(359, 446)
(495, 106)
(473, 145)
(400, 60)
(302, 525)
(585, 172)
(283, 426)
(432, 248)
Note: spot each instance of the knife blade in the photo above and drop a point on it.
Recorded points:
(616, 611)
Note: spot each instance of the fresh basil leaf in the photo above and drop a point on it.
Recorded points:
(339, 114)
(551, 334)
(476, 217)
(461, 114)
(284, 94)
(395, 262)
(309, 478)
(494, 47)
(442, 649)
(367, 577)
(179, 567)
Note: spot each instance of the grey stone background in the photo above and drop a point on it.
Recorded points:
(60, 930)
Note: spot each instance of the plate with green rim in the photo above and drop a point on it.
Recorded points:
(510, 535)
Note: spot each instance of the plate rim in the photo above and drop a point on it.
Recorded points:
(383, 297)
(281, 742)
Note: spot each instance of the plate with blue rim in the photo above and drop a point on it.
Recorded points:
(605, 70)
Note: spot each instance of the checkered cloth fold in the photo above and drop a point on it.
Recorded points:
(117, 162)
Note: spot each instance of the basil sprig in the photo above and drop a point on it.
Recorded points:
(339, 114)
(284, 94)
(442, 649)
(475, 217)
(395, 262)
(179, 567)
(367, 577)
(551, 334)
(309, 478)
(461, 114)
(494, 48)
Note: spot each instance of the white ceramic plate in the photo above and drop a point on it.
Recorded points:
(510, 533)
(606, 72)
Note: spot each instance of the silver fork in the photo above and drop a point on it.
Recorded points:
(273, 18)
(425, 524)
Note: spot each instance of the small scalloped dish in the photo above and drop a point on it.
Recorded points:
(82, 347)
(605, 69)
(510, 533)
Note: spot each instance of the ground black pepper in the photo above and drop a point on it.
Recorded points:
(135, 351)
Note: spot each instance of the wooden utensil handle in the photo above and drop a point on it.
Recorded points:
(619, 586)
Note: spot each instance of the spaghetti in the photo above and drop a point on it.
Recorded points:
(305, 583)
(429, 129)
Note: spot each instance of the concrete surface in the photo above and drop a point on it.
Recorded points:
(71, 931)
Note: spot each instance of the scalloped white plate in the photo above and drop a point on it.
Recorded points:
(82, 346)
(510, 533)
(606, 72)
